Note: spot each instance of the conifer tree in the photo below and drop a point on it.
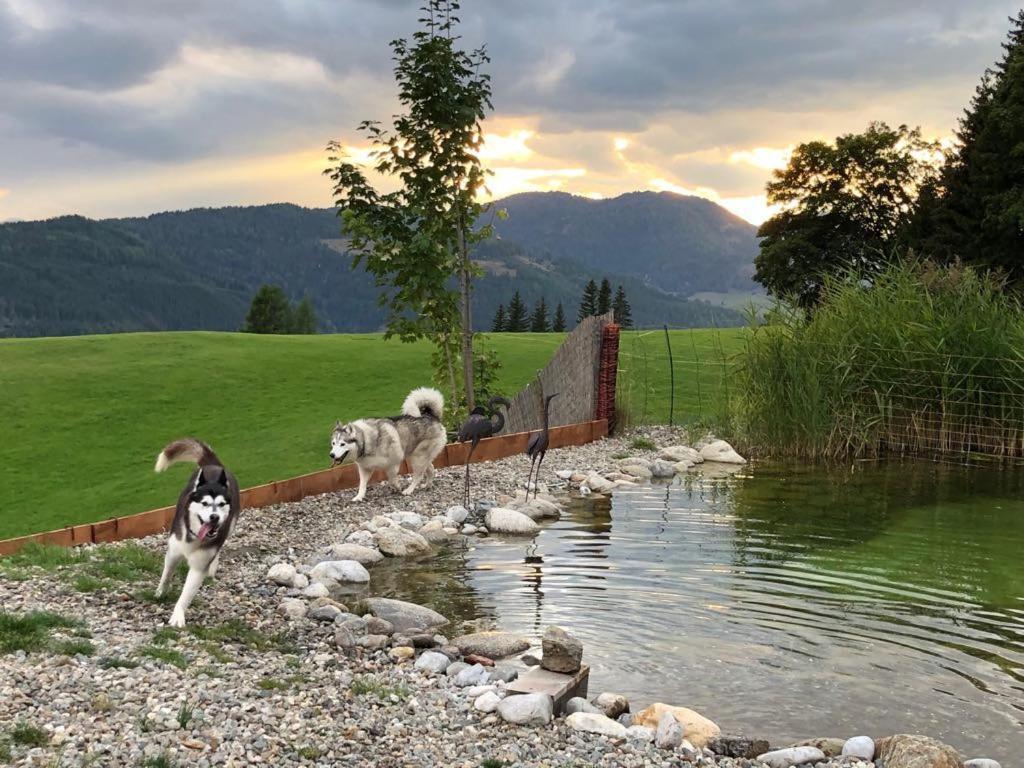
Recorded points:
(558, 324)
(623, 312)
(517, 320)
(604, 297)
(500, 321)
(539, 320)
(588, 304)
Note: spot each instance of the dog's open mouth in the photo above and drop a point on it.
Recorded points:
(339, 460)
(206, 530)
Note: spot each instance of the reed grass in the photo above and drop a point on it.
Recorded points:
(924, 360)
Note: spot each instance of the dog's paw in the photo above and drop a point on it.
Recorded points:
(358, 498)
(408, 491)
(177, 619)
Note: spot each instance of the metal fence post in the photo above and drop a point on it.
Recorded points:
(671, 379)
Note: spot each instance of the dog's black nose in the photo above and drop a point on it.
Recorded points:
(214, 519)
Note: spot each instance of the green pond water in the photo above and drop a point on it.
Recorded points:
(779, 600)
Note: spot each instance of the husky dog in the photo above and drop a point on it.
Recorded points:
(207, 509)
(417, 436)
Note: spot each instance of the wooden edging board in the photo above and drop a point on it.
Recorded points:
(296, 488)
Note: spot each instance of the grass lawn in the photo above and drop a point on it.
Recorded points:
(84, 417)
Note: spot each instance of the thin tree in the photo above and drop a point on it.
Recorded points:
(304, 318)
(270, 311)
(604, 297)
(539, 320)
(499, 323)
(620, 306)
(588, 304)
(517, 320)
(415, 239)
(558, 324)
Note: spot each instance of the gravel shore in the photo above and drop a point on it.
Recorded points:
(245, 685)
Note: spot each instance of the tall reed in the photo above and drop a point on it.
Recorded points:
(925, 360)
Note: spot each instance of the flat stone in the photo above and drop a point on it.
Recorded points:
(721, 452)
(363, 555)
(738, 746)
(558, 686)
(787, 758)
(341, 571)
(561, 652)
(698, 729)
(402, 615)
(832, 747)
(678, 453)
(911, 751)
(862, 747)
(493, 645)
(591, 722)
(480, 690)
(527, 709)
(502, 520)
(635, 470)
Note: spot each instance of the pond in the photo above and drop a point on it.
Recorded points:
(781, 601)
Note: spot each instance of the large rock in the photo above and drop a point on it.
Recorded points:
(457, 514)
(413, 521)
(282, 574)
(362, 538)
(678, 453)
(697, 728)
(362, 555)
(612, 704)
(830, 746)
(340, 571)
(493, 645)
(478, 674)
(433, 531)
(636, 470)
(487, 702)
(293, 608)
(981, 762)
(909, 751)
(662, 469)
(432, 661)
(595, 723)
(859, 746)
(404, 616)
(399, 542)
(503, 520)
(527, 709)
(721, 452)
(670, 733)
(599, 483)
(561, 651)
(790, 756)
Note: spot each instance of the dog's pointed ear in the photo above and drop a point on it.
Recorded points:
(199, 478)
(337, 425)
(223, 479)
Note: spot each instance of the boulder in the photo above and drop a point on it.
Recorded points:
(527, 709)
(402, 615)
(599, 483)
(612, 704)
(662, 469)
(862, 747)
(591, 722)
(670, 733)
(680, 453)
(340, 571)
(721, 452)
(432, 661)
(362, 555)
(561, 651)
(399, 542)
(282, 574)
(493, 645)
(503, 520)
(830, 746)
(909, 751)
(787, 758)
(579, 704)
(697, 728)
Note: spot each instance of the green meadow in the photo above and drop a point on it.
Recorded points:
(83, 418)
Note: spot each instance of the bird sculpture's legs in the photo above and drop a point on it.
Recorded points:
(536, 480)
(533, 460)
(469, 458)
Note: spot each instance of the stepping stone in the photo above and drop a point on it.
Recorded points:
(560, 687)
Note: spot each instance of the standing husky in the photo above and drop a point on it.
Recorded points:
(417, 435)
(207, 509)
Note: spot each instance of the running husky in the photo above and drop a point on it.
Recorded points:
(207, 509)
(417, 436)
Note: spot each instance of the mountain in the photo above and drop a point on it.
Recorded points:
(199, 269)
(682, 245)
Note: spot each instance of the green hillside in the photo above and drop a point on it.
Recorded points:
(83, 418)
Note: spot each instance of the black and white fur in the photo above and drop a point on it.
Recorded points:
(417, 436)
(207, 510)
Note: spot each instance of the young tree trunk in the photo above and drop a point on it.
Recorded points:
(467, 327)
(451, 370)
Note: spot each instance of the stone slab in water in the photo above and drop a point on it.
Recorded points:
(404, 616)
(558, 686)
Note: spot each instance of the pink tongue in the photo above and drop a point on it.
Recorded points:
(205, 529)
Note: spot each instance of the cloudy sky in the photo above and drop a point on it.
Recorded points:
(127, 107)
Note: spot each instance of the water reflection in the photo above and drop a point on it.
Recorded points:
(783, 600)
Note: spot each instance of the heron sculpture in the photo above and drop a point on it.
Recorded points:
(479, 425)
(537, 447)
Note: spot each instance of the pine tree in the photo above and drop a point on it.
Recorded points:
(270, 311)
(558, 324)
(621, 308)
(499, 323)
(588, 304)
(976, 213)
(604, 298)
(304, 318)
(539, 319)
(517, 321)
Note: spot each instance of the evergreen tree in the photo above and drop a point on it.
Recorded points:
(975, 213)
(558, 324)
(499, 323)
(517, 321)
(539, 320)
(623, 312)
(604, 297)
(304, 318)
(270, 311)
(588, 304)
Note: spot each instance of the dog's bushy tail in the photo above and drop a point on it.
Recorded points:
(186, 449)
(424, 401)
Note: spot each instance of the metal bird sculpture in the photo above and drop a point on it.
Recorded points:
(479, 425)
(537, 447)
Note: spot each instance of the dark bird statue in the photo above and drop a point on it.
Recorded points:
(538, 446)
(479, 425)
